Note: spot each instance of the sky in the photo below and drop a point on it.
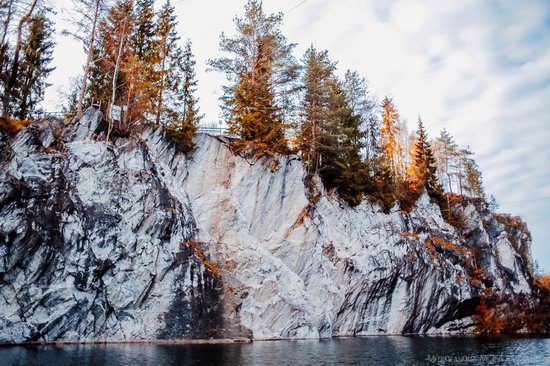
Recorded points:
(479, 68)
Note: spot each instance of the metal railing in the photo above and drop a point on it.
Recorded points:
(210, 129)
(56, 114)
(214, 131)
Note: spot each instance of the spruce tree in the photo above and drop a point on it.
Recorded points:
(424, 161)
(315, 111)
(352, 174)
(143, 37)
(185, 87)
(363, 105)
(182, 104)
(98, 91)
(169, 55)
(260, 71)
(384, 187)
(145, 44)
(330, 135)
(34, 68)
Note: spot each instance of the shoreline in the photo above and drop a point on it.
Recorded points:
(257, 340)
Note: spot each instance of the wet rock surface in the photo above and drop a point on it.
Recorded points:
(133, 240)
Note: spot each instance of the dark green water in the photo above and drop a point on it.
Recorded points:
(342, 351)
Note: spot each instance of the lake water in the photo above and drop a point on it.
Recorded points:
(384, 350)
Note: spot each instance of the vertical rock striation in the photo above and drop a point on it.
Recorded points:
(133, 240)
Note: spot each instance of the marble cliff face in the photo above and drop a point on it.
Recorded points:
(134, 240)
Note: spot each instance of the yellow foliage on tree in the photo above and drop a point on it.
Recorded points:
(389, 135)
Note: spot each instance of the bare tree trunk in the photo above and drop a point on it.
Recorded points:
(15, 65)
(88, 61)
(115, 76)
(161, 90)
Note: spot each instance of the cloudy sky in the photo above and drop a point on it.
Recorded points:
(480, 68)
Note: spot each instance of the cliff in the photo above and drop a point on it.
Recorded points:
(134, 240)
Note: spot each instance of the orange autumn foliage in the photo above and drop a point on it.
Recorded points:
(13, 126)
(544, 282)
(199, 253)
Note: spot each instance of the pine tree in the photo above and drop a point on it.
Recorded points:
(34, 68)
(425, 164)
(169, 55)
(364, 106)
(260, 72)
(330, 136)
(384, 188)
(99, 84)
(315, 111)
(341, 166)
(184, 115)
(143, 37)
(185, 86)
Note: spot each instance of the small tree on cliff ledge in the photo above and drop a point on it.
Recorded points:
(261, 74)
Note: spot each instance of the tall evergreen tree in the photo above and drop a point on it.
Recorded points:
(330, 135)
(169, 56)
(364, 106)
(260, 72)
(146, 44)
(143, 37)
(34, 68)
(185, 86)
(342, 166)
(425, 163)
(318, 73)
(182, 104)
(99, 77)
